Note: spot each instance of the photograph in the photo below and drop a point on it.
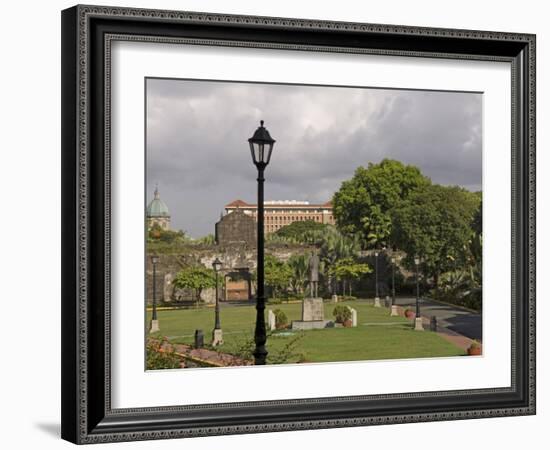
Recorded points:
(310, 224)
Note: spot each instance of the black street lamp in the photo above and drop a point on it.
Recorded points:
(261, 146)
(393, 280)
(393, 305)
(217, 333)
(154, 320)
(418, 319)
(376, 297)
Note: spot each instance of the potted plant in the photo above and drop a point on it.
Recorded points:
(281, 320)
(410, 314)
(474, 349)
(342, 314)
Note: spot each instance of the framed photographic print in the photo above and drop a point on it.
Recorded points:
(281, 224)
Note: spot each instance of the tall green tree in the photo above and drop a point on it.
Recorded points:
(277, 274)
(434, 223)
(362, 205)
(197, 278)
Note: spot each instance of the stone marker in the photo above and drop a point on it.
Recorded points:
(335, 298)
(313, 315)
(353, 316)
(271, 324)
(313, 309)
(418, 324)
(199, 339)
(394, 310)
(377, 302)
(217, 337)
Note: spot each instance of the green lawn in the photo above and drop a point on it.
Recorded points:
(377, 336)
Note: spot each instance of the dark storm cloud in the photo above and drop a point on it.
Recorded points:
(198, 153)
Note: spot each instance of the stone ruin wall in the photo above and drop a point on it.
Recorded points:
(231, 256)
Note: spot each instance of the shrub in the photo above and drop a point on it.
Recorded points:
(160, 358)
(281, 320)
(244, 346)
(341, 313)
(475, 344)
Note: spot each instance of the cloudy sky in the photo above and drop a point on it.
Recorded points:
(197, 149)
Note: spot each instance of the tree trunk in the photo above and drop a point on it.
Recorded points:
(197, 299)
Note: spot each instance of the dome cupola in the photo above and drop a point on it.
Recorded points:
(157, 208)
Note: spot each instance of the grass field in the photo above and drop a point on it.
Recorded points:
(377, 336)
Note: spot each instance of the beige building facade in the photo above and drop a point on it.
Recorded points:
(279, 213)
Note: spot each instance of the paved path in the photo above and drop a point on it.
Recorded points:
(454, 318)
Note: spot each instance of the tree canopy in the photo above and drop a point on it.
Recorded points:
(277, 274)
(159, 234)
(195, 277)
(435, 223)
(306, 231)
(349, 269)
(363, 203)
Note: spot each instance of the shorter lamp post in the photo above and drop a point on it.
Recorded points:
(217, 336)
(376, 297)
(154, 320)
(418, 319)
(393, 305)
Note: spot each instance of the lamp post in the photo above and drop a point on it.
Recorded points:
(418, 320)
(217, 336)
(261, 146)
(376, 297)
(154, 320)
(393, 305)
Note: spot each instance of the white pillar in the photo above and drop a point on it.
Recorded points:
(154, 326)
(217, 337)
(271, 320)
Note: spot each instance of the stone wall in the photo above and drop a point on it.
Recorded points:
(231, 256)
(160, 286)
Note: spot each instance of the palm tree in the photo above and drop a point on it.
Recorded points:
(336, 246)
(299, 265)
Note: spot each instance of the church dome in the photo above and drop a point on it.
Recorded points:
(157, 208)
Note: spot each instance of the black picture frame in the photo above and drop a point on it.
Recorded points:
(87, 416)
